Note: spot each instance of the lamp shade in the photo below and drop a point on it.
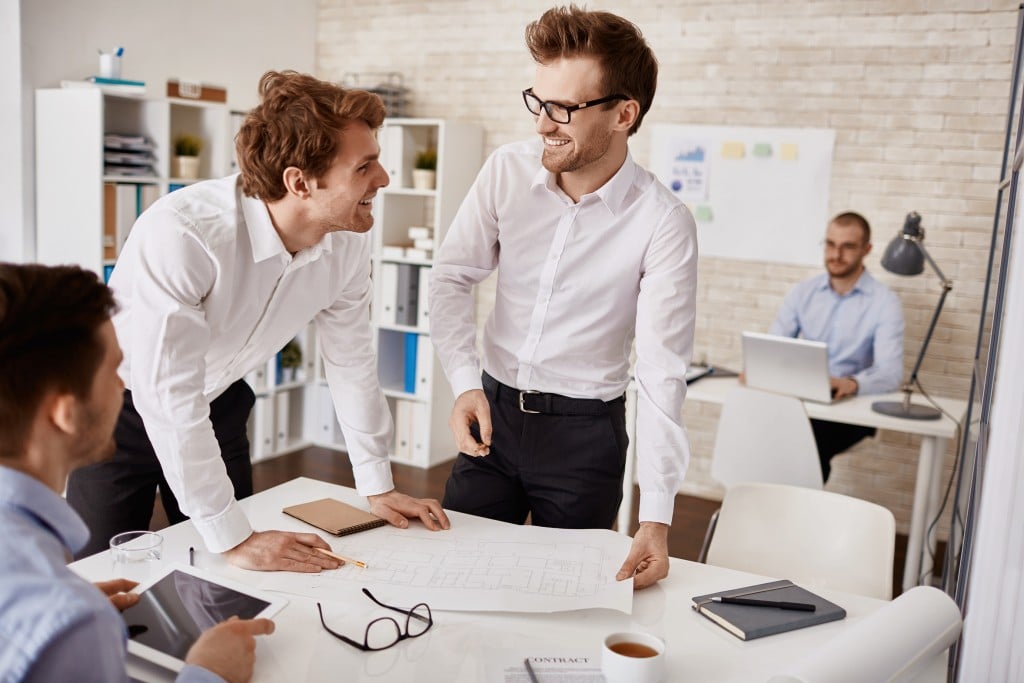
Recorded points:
(904, 256)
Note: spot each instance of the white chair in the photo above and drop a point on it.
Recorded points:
(896, 643)
(765, 437)
(762, 437)
(815, 538)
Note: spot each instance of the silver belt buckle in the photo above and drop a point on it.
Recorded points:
(523, 408)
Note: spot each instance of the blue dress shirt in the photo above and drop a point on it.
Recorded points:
(863, 329)
(54, 626)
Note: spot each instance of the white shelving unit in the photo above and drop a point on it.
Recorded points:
(414, 383)
(74, 199)
(72, 203)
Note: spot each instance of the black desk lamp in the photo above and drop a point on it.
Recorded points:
(906, 255)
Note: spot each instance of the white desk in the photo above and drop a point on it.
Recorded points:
(935, 434)
(460, 644)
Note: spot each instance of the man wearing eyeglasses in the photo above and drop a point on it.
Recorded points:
(591, 251)
(859, 318)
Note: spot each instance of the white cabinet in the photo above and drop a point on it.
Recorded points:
(409, 223)
(88, 190)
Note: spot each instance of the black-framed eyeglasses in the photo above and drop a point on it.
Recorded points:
(561, 113)
(385, 632)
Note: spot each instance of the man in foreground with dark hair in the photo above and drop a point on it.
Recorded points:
(213, 280)
(859, 318)
(59, 398)
(591, 251)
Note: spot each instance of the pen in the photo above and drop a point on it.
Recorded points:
(529, 671)
(191, 556)
(753, 602)
(342, 558)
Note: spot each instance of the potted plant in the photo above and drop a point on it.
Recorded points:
(186, 156)
(424, 174)
(289, 360)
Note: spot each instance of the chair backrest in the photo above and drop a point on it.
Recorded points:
(814, 538)
(892, 644)
(765, 437)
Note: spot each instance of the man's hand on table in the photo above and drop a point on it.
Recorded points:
(119, 592)
(229, 648)
(282, 551)
(398, 508)
(647, 561)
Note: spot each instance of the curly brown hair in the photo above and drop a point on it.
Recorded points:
(629, 65)
(49, 341)
(297, 123)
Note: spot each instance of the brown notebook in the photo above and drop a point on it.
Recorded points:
(334, 517)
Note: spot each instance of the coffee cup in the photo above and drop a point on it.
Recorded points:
(633, 657)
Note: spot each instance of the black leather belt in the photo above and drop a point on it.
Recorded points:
(540, 403)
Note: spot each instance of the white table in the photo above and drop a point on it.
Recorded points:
(935, 435)
(460, 644)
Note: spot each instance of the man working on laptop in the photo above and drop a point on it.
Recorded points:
(859, 318)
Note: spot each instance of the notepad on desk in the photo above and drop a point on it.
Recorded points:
(334, 517)
(748, 622)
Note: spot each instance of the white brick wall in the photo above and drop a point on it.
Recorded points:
(917, 91)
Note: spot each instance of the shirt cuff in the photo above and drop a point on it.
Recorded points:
(465, 379)
(191, 673)
(226, 530)
(656, 507)
(373, 478)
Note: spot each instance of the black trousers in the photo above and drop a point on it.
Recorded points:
(118, 494)
(564, 470)
(834, 438)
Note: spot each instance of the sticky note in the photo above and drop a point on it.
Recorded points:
(762, 149)
(733, 150)
(788, 151)
(703, 214)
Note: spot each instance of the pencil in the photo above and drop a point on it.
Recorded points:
(336, 556)
(529, 670)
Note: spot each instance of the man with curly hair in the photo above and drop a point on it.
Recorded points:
(213, 280)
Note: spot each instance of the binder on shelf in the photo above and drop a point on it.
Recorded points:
(420, 432)
(282, 420)
(403, 429)
(263, 429)
(423, 304)
(326, 417)
(748, 622)
(388, 293)
(411, 341)
(407, 294)
(424, 366)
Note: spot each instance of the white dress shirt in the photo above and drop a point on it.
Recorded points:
(576, 282)
(208, 292)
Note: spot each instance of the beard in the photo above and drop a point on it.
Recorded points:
(561, 160)
(841, 270)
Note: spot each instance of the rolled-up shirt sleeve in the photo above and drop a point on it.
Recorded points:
(168, 346)
(666, 316)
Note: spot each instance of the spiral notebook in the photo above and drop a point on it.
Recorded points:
(335, 517)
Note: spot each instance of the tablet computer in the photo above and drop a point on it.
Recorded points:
(175, 607)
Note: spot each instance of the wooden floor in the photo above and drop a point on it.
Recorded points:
(684, 540)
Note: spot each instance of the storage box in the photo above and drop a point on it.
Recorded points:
(194, 90)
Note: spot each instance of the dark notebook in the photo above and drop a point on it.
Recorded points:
(747, 622)
(335, 517)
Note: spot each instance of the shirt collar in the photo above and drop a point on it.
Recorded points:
(864, 284)
(612, 193)
(266, 243)
(33, 499)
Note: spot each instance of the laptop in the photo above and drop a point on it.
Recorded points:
(784, 365)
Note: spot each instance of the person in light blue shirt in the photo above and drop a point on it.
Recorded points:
(859, 318)
(59, 398)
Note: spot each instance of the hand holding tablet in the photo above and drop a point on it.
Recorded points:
(187, 615)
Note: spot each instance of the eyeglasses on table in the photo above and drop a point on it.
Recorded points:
(385, 632)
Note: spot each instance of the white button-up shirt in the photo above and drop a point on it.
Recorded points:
(207, 293)
(576, 283)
